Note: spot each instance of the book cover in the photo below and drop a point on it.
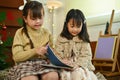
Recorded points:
(55, 60)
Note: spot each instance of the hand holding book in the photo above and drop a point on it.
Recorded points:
(67, 62)
(56, 62)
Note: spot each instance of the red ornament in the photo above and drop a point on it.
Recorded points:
(3, 33)
(10, 16)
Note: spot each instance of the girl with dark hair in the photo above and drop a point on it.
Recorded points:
(29, 47)
(73, 46)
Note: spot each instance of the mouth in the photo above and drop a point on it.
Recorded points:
(74, 34)
(37, 25)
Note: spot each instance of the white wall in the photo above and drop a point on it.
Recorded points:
(94, 30)
(58, 19)
(90, 8)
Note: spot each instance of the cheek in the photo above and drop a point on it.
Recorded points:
(79, 30)
(69, 29)
(41, 21)
(29, 22)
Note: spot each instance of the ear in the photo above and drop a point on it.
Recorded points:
(24, 18)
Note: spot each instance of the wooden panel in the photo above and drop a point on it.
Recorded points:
(11, 30)
(12, 16)
(11, 3)
(93, 47)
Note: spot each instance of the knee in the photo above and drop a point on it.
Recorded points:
(50, 76)
(79, 74)
(30, 78)
(53, 75)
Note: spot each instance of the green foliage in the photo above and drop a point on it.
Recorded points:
(20, 21)
(4, 49)
(2, 16)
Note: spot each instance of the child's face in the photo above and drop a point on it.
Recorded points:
(34, 23)
(73, 29)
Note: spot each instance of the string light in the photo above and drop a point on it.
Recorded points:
(52, 5)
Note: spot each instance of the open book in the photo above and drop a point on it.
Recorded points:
(56, 63)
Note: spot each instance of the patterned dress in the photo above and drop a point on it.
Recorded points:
(79, 54)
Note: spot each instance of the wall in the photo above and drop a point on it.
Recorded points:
(97, 14)
(10, 15)
(91, 8)
(94, 30)
(57, 17)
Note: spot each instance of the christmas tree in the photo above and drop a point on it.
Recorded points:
(5, 42)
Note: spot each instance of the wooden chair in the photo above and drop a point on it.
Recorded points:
(106, 54)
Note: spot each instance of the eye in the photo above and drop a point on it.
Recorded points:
(78, 26)
(32, 18)
(72, 26)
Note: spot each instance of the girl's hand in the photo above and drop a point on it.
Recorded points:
(41, 50)
(66, 61)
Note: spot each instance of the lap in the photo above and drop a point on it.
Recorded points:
(28, 68)
(78, 74)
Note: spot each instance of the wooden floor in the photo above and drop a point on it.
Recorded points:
(113, 78)
(108, 75)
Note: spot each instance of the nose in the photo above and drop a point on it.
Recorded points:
(38, 20)
(75, 29)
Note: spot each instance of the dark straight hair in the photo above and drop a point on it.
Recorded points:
(78, 18)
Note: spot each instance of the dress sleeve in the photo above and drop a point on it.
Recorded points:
(19, 54)
(85, 56)
(59, 47)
